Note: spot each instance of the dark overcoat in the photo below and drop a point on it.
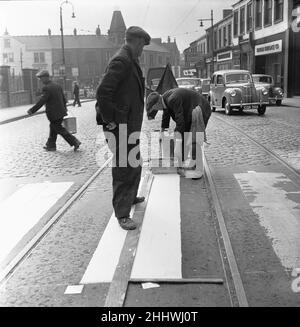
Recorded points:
(180, 103)
(54, 100)
(120, 95)
(120, 99)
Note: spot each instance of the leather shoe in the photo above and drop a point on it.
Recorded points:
(127, 223)
(138, 199)
(76, 146)
(49, 148)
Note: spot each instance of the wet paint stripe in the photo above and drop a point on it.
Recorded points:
(159, 249)
(276, 201)
(105, 259)
(23, 209)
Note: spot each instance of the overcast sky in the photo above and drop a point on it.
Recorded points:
(160, 18)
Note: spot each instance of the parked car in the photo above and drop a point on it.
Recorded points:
(235, 89)
(275, 93)
(192, 83)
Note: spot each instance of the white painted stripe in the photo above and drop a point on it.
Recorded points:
(159, 249)
(105, 259)
(23, 209)
(74, 289)
(277, 211)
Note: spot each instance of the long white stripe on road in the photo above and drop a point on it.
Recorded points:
(278, 211)
(23, 209)
(159, 249)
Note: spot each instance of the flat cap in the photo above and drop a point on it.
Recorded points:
(42, 73)
(152, 104)
(135, 31)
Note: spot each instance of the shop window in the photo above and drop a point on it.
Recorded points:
(249, 16)
(229, 34)
(258, 14)
(235, 23)
(278, 10)
(242, 20)
(268, 12)
(6, 43)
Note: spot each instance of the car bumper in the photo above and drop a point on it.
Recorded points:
(274, 99)
(253, 105)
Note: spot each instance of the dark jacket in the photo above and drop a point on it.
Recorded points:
(120, 95)
(180, 103)
(54, 100)
(76, 90)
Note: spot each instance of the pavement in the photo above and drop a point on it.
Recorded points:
(11, 114)
(179, 237)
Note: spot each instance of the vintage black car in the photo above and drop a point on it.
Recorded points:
(200, 85)
(267, 81)
(235, 89)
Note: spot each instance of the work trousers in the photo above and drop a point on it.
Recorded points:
(125, 180)
(57, 128)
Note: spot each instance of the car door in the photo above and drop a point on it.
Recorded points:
(219, 90)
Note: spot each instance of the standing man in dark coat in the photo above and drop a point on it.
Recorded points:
(120, 107)
(76, 95)
(54, 100)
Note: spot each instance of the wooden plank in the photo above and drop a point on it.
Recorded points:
(118, 287)
(198, 280)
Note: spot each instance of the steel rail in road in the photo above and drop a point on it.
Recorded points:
(268, 151)
(230, 257)
(8, 271)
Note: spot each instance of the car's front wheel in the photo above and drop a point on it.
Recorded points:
(261, 110)
(278, 102)
(228, 109)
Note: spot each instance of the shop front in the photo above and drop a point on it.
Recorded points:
(224, 60)
(269, 57)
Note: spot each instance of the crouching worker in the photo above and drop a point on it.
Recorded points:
(191, 112)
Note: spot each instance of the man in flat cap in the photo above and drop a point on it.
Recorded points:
(54, 100)
(191, 112)
(120, 107)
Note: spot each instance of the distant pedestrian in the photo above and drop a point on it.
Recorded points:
(76, 94)
(54, 100)
(120, 107)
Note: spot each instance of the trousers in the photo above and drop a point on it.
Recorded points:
(76, 100)
(57, 128)
(126, 173)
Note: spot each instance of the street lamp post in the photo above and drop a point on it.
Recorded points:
(62, 38)
(211, 19)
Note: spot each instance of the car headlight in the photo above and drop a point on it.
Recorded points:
(264, 91)
(280, 91)
(233, 93)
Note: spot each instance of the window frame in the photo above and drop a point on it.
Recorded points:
(229, 33)
(278, 20)
(258, 27)
(270, 12)
(235, 23)
(242, 23)
(7, 43)
(249, 18)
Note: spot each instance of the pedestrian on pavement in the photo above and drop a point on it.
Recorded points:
(54, 100)
(120, 106)
(191, 112)
(76, 94)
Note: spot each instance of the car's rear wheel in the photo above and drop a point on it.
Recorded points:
(261, 110)
(228, 109)
(278, 102)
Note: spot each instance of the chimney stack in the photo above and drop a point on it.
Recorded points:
(98, 31)
(75, 31)
(49, 32)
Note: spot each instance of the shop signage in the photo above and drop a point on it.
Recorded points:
(224, 56)
(267, 48)
(189, 72)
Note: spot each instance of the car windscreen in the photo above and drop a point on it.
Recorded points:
(188, 82)
(238, 78)
(206, 82)
(263, 79)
